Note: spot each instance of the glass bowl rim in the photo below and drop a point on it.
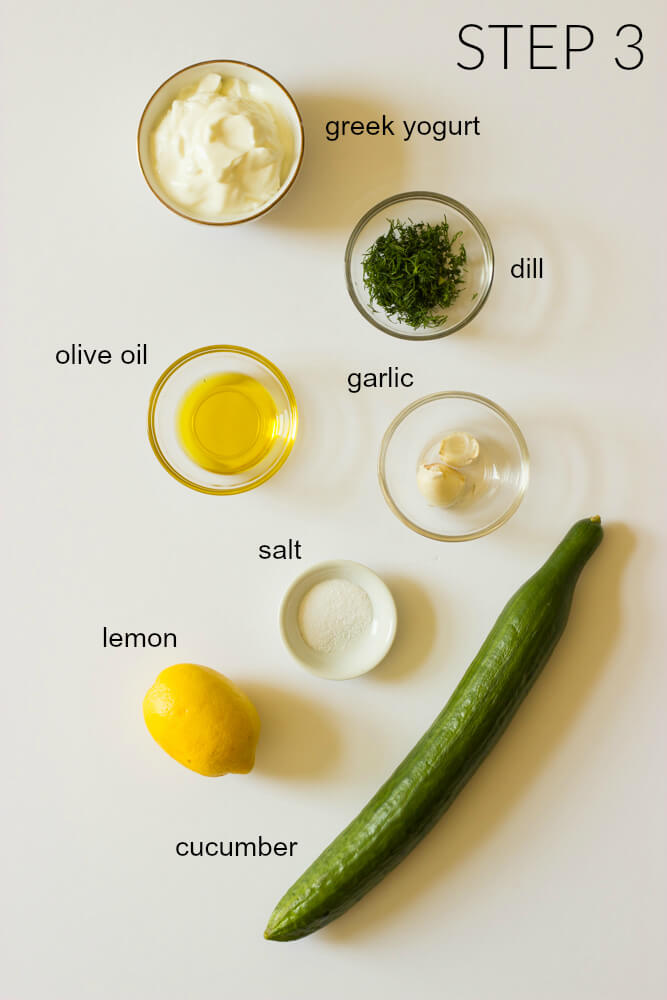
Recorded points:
(476, 224)
(518, 437)
(281, 192)
(180, 363)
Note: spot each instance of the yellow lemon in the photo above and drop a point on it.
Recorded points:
(202, 720)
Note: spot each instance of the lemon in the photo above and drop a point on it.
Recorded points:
(202, 720)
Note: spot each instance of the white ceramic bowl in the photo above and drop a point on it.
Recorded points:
(277, 96)
(362, 654)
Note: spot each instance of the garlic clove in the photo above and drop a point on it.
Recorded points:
(439, 484)
(459, 449)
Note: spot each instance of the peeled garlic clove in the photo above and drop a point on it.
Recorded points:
(439, 484)
(459, 448)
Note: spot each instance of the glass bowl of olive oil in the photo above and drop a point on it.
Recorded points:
(222, 419)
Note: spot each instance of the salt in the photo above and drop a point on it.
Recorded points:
(333, 614)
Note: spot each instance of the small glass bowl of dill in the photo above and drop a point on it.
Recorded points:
(419, 265)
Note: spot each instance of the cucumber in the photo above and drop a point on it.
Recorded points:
(428, 780)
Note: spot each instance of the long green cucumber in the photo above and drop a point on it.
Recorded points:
(428, 780)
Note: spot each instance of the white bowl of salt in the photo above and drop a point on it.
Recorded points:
(338, 620)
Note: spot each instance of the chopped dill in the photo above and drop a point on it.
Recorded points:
(413, 272)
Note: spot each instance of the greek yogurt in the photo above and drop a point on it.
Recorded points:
(220, 149)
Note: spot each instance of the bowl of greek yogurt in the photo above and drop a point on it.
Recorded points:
(220, 142)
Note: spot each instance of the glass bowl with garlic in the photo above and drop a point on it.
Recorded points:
(453, 466)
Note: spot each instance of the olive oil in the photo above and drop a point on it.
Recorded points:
(227, 423)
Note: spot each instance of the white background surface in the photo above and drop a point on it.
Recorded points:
(546, 878)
